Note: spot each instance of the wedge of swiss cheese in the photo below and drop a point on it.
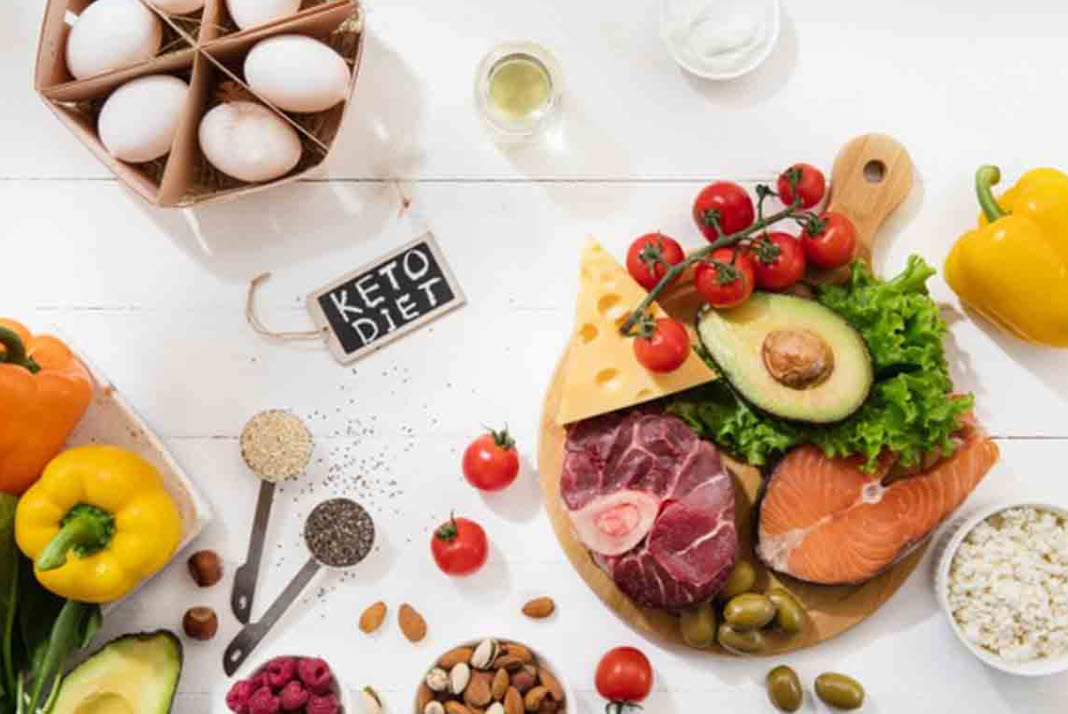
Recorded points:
(602, 374)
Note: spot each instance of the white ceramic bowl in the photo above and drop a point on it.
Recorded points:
(543, 661)
(757, 59)
(343, 694)
(1034, 668)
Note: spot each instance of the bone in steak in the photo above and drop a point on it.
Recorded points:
(655, 505)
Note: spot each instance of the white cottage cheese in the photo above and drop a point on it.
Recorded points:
(1008, 584)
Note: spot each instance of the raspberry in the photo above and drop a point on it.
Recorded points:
(281, 671)
(259, 681)
(326, 704)
(264, 702)
(316, 675)
(238, 696)
(294, 696)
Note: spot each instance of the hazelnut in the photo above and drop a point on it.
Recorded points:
(200, 623)
(206, 567)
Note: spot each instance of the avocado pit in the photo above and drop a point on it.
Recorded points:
(799, 359)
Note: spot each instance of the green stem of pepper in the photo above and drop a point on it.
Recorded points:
(15, 351)
(85, 530)
(986, 177)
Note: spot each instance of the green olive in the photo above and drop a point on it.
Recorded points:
(698, 626)
(789, 615)
(741, 580)
(839, 691)
(740, 641)
(784, 688)
(749, 611)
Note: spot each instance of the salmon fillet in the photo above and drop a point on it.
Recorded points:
(826, 521)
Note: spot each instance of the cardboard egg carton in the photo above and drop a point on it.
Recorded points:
(206, 50)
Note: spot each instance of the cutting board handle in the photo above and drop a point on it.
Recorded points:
(871, 177)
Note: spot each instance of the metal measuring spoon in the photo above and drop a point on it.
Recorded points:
(275, 445)
(339, 534)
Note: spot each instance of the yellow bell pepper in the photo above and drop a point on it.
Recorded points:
(1013, 269)
(97, 523)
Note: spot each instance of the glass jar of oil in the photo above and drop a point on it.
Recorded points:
(517, 89)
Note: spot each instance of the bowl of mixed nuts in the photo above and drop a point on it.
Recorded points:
(492, 676)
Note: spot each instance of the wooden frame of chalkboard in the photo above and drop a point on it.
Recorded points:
(385, 299)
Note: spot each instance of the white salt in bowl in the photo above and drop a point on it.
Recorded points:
(1033, 668)
(669, 13)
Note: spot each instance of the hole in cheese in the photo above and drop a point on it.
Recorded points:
(610, 306)
(608, 378)
(588, 333)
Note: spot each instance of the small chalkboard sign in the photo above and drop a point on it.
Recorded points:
(388, 298)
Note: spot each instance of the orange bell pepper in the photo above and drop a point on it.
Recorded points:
(44, 392)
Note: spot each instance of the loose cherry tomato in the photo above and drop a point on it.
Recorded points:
(491, 462)
(830, 241)
(728, 281)
(624, 676)
(779, 261)
(808, 181)
(459, 546)
(650, 256)
(724, 203)
(662, 345)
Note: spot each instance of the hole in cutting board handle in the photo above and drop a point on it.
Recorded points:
(875, 171)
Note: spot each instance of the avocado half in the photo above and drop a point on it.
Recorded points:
(133, 674)
(789, 356)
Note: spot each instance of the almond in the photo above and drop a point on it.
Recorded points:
(500, 685)
(454, 657)
(552, 684)
(548, 706)
(539, 608)
(478, 692)
(533, 699)
(373, 617)
(524, 679)
(412, 623)
(520, 652)
(513, 701)
(423, 696)
(454, 707)
(508, 661)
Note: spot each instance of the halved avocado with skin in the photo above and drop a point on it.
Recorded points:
(789, 356)
(134, 674)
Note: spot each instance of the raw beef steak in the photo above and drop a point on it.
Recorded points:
(654, 504)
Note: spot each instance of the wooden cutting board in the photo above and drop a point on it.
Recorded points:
(872, 175)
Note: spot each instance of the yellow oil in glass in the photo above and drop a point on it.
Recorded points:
(519, 87)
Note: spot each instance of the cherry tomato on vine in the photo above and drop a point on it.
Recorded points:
(459, 546)
(830, 241)
(662, 345)
(727, 282)
(724, 203)
(808, 181)
(650, 256)
(624, 676)
(779, 260)
(491, 462)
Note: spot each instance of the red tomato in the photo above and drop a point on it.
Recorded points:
(726, 203)
(491, 462)
(779, 261)
(459, 546)
(728, 283)
(663, 345)
(810, 185)
(650, 256)
(624, 676)
(830, 241)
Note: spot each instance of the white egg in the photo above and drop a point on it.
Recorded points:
(249, 13)
(297, 73)
(138, 120)
(111, 34)
(178, 7)
(249, 142)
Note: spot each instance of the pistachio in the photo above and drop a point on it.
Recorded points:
(513, 702)
(372, 703)
(532, 701)
(459, 676)
(485, 654)
(434, 707)
(495, 708)
(437, 679)
(524, 679)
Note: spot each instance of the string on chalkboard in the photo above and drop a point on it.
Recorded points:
(256, 324)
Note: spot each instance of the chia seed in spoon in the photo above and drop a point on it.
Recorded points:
(339, 533)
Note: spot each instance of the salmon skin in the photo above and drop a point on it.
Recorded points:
(825, 521)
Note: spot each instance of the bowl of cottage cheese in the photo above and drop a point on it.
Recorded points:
(1002, 581)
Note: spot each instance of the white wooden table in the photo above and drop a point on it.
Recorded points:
(155, 297)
